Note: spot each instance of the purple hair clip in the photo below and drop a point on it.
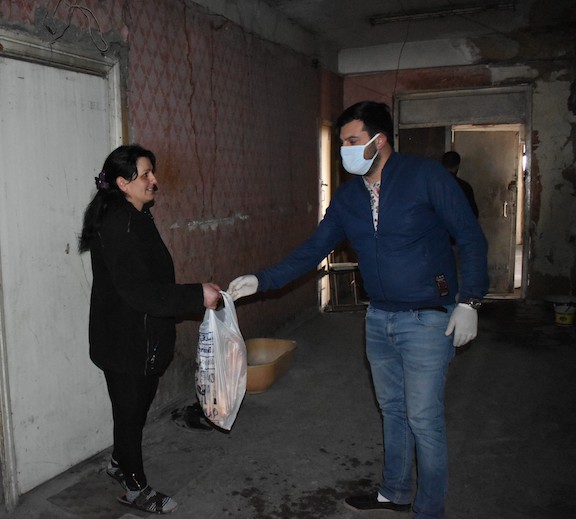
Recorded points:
(101, 182)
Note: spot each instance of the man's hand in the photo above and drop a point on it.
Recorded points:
(243, 286)
(464, 323)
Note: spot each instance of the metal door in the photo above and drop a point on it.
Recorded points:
(490, 160)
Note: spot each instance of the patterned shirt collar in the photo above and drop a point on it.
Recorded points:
(374, 191)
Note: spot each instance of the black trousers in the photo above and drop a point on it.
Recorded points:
(131, 396)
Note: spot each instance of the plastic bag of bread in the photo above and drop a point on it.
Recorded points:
(221, 365)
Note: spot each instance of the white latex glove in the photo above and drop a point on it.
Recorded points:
(464, 323)
(243, 286)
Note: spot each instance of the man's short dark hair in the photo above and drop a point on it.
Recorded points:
(451, 160)
(375, 116)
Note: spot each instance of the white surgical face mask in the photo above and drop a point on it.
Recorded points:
(353, 158)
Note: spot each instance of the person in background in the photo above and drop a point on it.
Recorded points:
(397, 213)
(451, 161)
(133, 305)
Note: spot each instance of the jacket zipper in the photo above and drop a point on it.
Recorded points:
(150, 359)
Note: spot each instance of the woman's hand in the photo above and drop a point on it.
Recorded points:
(212, 295)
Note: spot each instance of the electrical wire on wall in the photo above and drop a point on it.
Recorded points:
(398, 61)
(528, 44)
(408, 26)
(410, 16)
(88, 14)
(453, 5)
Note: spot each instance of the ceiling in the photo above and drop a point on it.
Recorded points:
(346, 24)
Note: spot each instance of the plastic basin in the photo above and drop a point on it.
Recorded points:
(268, 360)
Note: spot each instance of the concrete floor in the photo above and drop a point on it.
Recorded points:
(314, 437)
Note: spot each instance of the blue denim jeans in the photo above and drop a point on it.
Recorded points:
(409, 357)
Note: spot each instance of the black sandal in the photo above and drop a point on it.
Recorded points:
(115, 472)
(151, 501)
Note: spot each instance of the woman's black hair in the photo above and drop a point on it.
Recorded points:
(375, 116)
(122, 162)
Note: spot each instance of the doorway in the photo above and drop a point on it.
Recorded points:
(60, 116)
(325, 181)
(340, 286)
(490, 129)
(492, 162)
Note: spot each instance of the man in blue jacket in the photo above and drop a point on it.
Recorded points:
(398, 214)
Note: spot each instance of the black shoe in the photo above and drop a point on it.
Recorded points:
(370, 502)
(191, 417)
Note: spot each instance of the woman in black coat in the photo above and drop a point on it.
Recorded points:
(134, 303)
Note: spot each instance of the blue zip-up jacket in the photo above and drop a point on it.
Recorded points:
(408, 262)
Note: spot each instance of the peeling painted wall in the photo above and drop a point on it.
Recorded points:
(543, 57)
(553, 265)
(234, 121)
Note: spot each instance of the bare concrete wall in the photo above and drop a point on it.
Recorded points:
(543, 57)
(234, 121)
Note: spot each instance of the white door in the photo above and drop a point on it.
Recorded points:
(55, 131)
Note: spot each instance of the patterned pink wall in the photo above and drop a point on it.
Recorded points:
(234, 121)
